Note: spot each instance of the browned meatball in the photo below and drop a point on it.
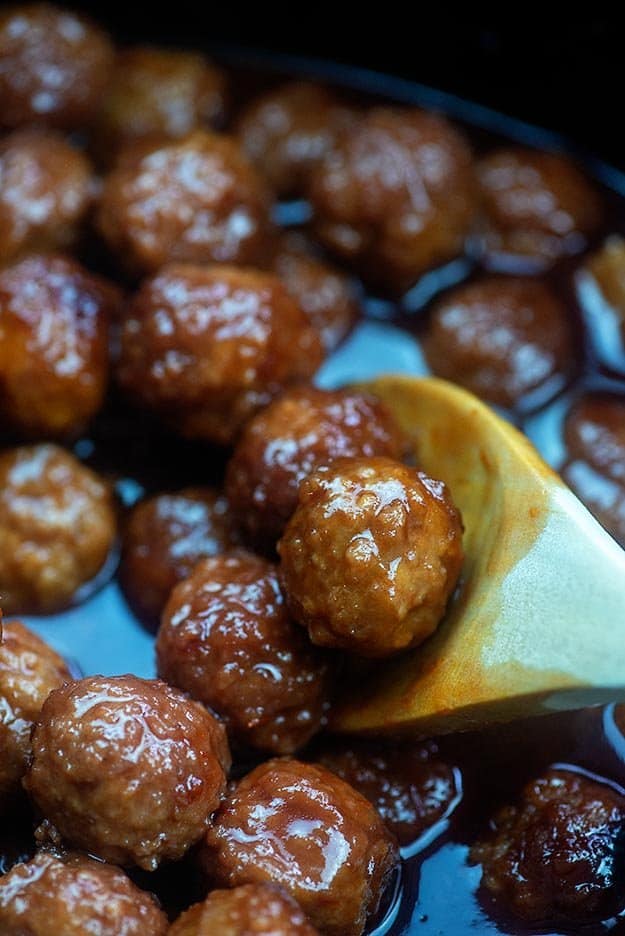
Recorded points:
(29, 671)
(371, 555)
(127, 769)
(244, 911)
(395, 196)
(298, 432)
(57, 528)
(537, 207)
(301, 827)
(53, 66)
(45, 192)
(507, 340)
(227, 639)
(558, 854)
(208, 346)
(196, 199)
(74, 895)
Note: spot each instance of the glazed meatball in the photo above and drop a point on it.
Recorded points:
(54, 65)
(371, 555)
(301, 827)
(127, 769)
(558, 854)
(537, 207)
(302, 430)
(227, 639)
(395, 196)
(165, 538)
(57, 528)
(74, 895)
(508, 340)
(29, 671)
(196, 199)
(244, 911)
(45, 193)
(53, 345)
(208, 346)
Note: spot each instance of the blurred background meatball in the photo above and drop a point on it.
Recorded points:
(57, 528)
(252, 908)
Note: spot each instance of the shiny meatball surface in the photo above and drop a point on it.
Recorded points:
(301, 827)
(371, 555)
(127, 769)
(57, 528)
(227, 639)
(244, 911)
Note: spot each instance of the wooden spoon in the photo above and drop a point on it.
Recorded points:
(538, 623)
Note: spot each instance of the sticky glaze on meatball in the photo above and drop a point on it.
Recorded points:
(558, 854)
(54, 65)
(245, 910)
(303, 828)
(208, 346)
(227, 639)
(371, 555)
(196, 199)
(29, 671)
(395, 196)
(506, 339)
(73, 895)
(127, 769)
(57, 528)
(302, 430)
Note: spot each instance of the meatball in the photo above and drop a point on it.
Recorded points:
(208, 346)
(29, 671)
(301, 827)
(127, 769)
(249, 909)
(558, 854)
(537, 207)
(57, 528)
(195, 199)
(371, 555)
(73, 895)
(302, 430)
(508, 340)
(395, 196)
(54, 65)
(45, 192)
(227, 639)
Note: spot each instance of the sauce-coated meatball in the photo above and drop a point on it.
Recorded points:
(208, 346)
(371, 555)
(74, 895)
(303, 828)
(508, 340)
(57, 528)
(127, 769)
(302, 430)
(395, 196)
(244, 911)
(559, 853)
(196, 199)
(227, 639)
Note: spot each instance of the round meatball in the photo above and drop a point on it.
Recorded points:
(45, 193)
(165, 538)
(57, 528)
(508, 340)
(301, 827)
(29, 671)
(395, 196)
(300, 431)
(208, 346)
(537, 207)
(227, 639)
(72, 895)
(371, 555)
(54, 65)
(195, 199)
(558, 854)
(243, 911)
(127, 769)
